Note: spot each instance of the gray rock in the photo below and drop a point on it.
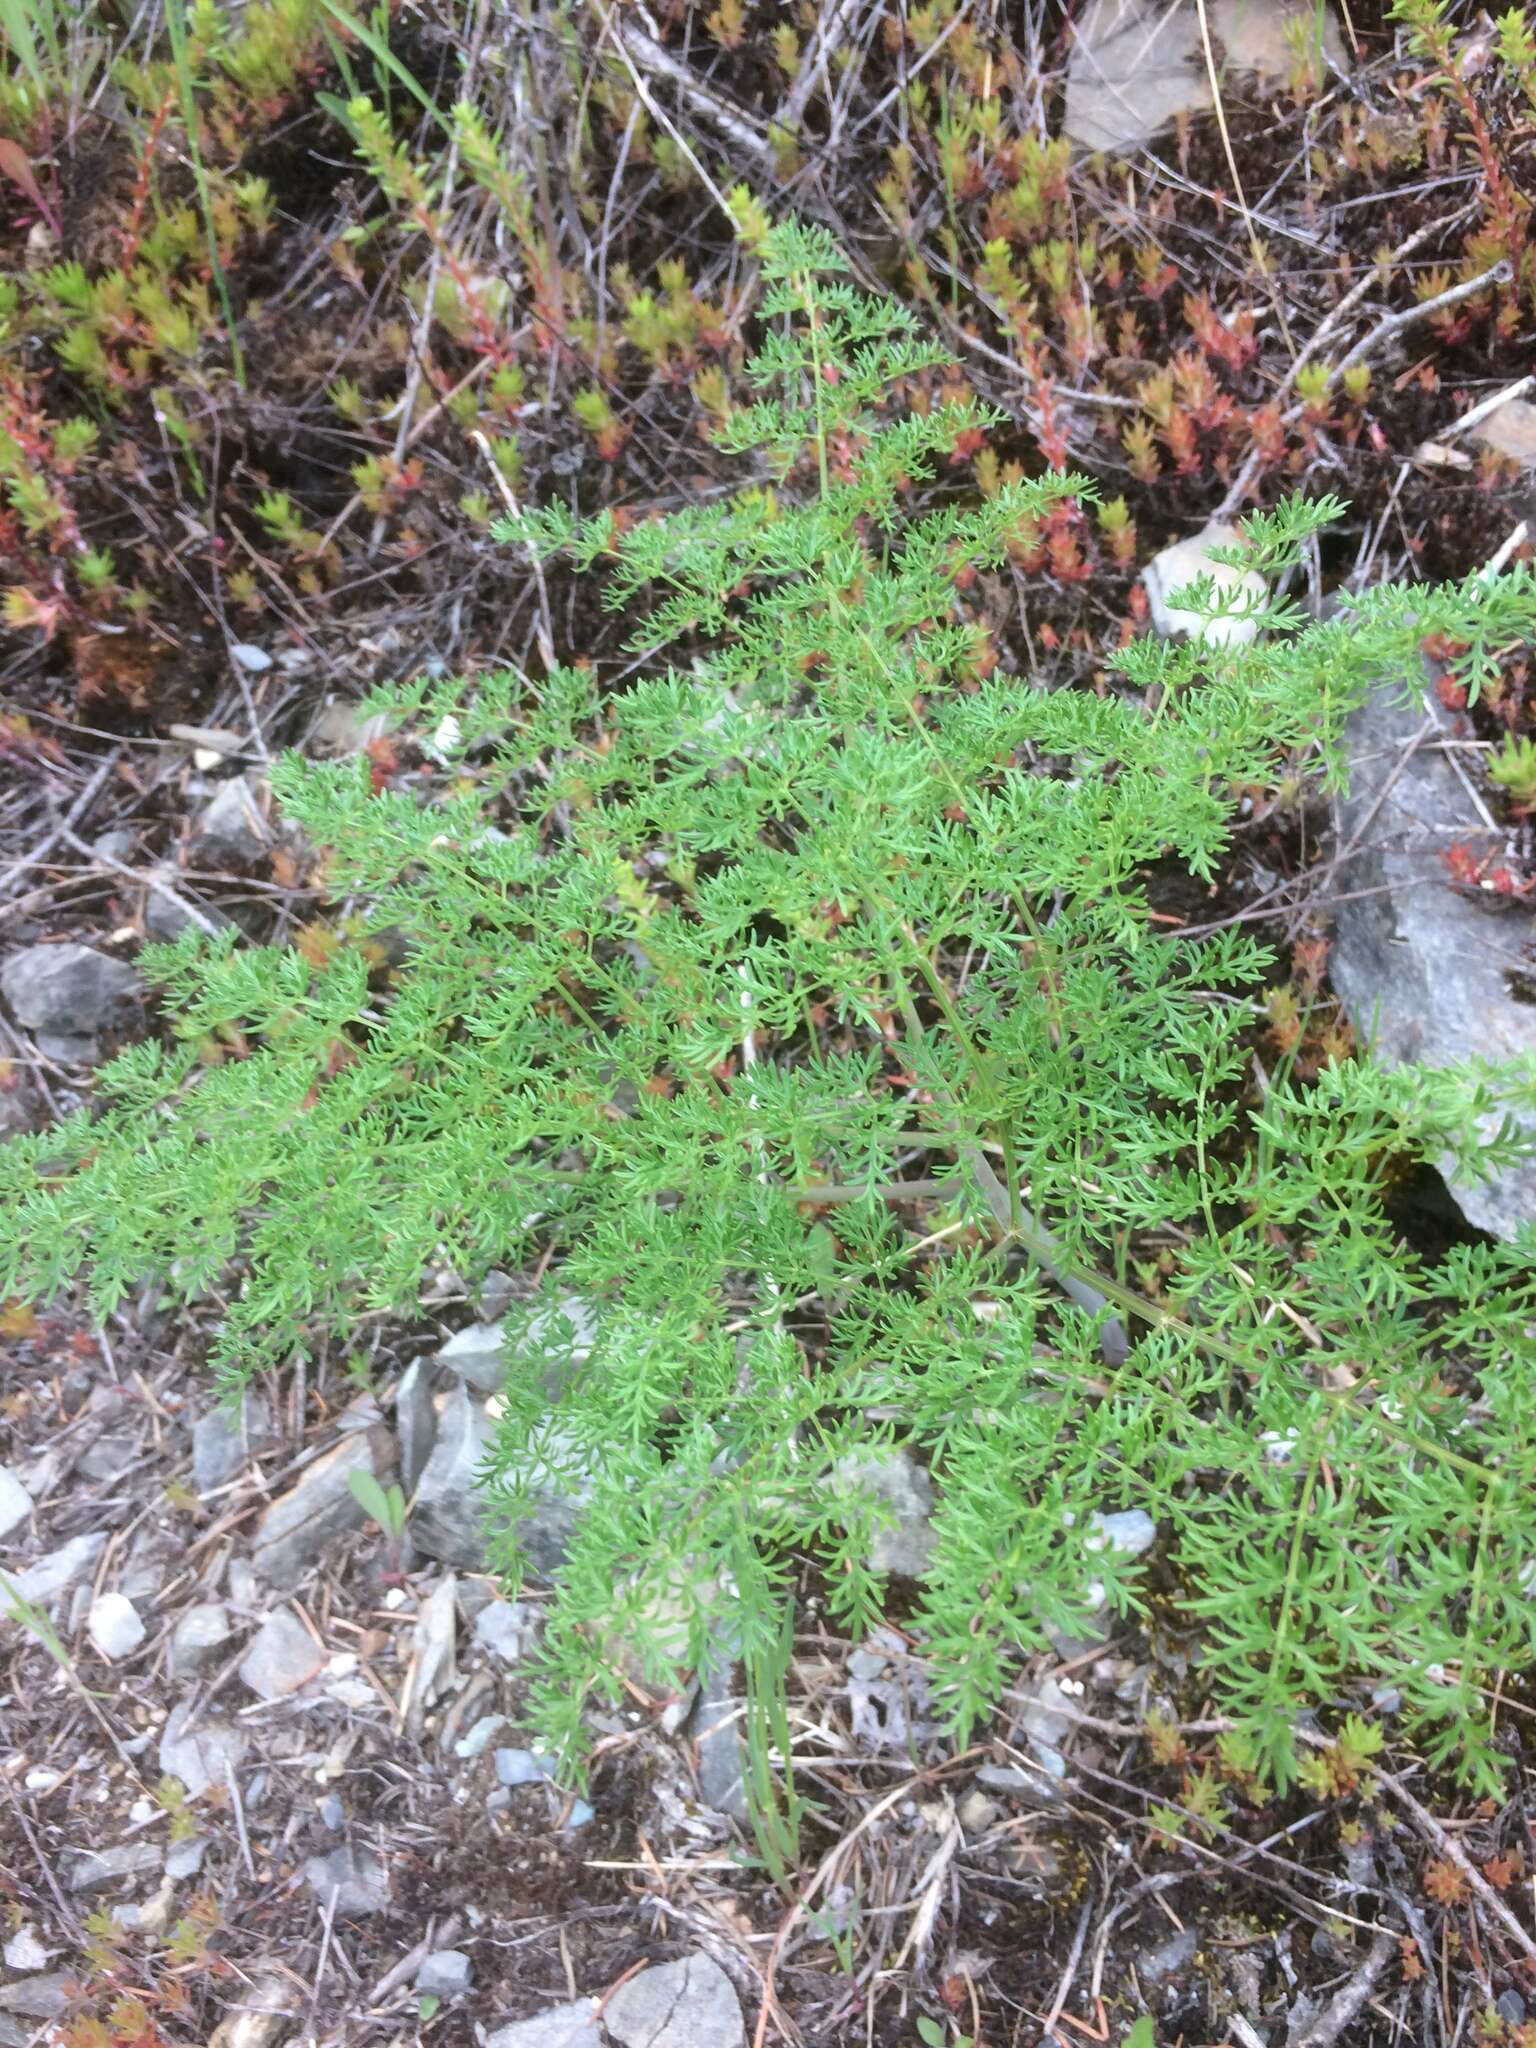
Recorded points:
(563, 2026)
(199, 1637)
(114, 1626)
(225, 1441)
(1136, 64)
(42, 1998)
(88, 1869)
(1047, 1721)
(232, 831)
(68, 1049)
(153, 1558)
(904, 1491)
(301, 1524)
(506, 1628)
(415, 1422)
(15, 1501)
(522, 1767)
(581, 1815)
(185, 1858)
(555, 1333)
(254, 660)
(70, 990)
(715, 1725)
(687, 2004)
(57, 1572)
(282, 1656)
(445, 1973)
(480, 1737)
(451, 1519)
(478, 1355)
(354, 1877)
(1156, 1965)
(1428, 974)
(200, 1753)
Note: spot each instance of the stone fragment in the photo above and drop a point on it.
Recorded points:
(506, 1628)
(42, 1998)
(88, 1869)
(260, 2017)
(1427, 972)
(436, 1632)
(232, 831)
(522, 1767)
(299, 1526)
(1130, 1532)
(24, 1951)
(555, 1333)
(1511, 431)
(903, 1541)
(69, 990)
(282, 1656)
(563, 2026)
(445, 1973)
(1183, 564)
(415, 1422)
(715, 1725)
(225, 1441)
(15, 1501)
(55, 1573)
(199, 1637)
(114, 1625)
(1137, 64)
(687, 2004)
(354, 1877)
(254, 660)
(200, 1753)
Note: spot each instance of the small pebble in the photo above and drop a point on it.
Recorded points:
(445, 1973)
(521, 1767)
(578, 1817)
(114, 1625)
(254, 660)
(481, 1736)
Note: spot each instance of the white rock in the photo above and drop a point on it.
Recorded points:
(15, 1501)
(254, 660)
(506, 1628)
(25, 1952)
(114, 1625)
(1129, 1533)
(283, 1655)
(445, 1973)
(1183, 564)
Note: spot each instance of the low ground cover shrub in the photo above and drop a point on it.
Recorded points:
(797, 1005)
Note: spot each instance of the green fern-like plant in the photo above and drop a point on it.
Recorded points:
(798, 1007)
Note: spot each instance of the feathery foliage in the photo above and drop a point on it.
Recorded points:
(705, 973)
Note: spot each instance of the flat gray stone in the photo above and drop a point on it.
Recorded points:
(563, 2026)
(88, 1869)
(1137, 64)
(41, 1998)
(415, 1423)
(715, 1725)
(686, 2004)
(1429, 974)
(199, 1637)
(224, 1442)
(300, 1526)
(354, 1877)
(70, 990)
(903, 1489)
(445, 1973)
(282, 1656)
(554, 1334)
(200, 1753)
(232, 831)
(15, 1501)
(54, 1574)
(506, 1628)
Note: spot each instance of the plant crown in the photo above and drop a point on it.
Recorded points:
(704, 968)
